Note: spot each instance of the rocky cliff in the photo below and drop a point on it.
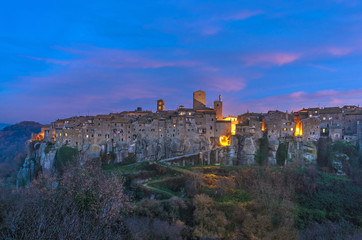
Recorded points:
(41, 156)
(303, 152)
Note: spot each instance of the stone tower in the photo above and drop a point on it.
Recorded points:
(218, 109)
(199, 100)
(160, 105)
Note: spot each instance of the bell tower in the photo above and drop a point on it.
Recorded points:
(218, 109)
(199, 100)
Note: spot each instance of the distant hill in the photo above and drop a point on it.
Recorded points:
(12, 144)
(3, 125)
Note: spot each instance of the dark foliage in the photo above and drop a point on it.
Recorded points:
(65, 156)
(328, 198)
(282, 153)
(261, 156)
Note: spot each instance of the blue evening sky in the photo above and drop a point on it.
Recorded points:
(65, 58)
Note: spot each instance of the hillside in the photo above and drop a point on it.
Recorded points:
(12, 144)
(3, 125)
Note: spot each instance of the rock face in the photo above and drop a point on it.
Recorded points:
(156, 149)
(273, 147)
(309, 153)
(47, 159)
(42, 155)
(30, 167)
(340, 163)
(246, 149)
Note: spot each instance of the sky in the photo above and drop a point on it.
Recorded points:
(67, 58)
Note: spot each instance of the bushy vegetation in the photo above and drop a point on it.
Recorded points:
(64, 157)
(261, 155)
(323, 197)
(282, 153)
(85, 204)
(148, 200)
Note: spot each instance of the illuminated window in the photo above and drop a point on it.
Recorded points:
(310, 115)
(189, 113)
(284, 129)
(60, 134)
(323, 130)
(324, 118)
(66, 134)
(330, 118)
(292, 129)
(87, 136)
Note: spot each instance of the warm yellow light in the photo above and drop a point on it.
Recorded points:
(263, 126)
(233, 129)
(224, 141)
(298, 127)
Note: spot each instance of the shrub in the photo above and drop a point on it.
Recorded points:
(261, 154)
(282, 153)
(86, 204)
(65, 156)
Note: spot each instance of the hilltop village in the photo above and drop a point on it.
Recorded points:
(198, 128)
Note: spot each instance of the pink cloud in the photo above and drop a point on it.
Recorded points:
(297, 95)
(48, 60)
(271, 58)
(243, 15)
(298, 100)
(210, 30)
(339, 51)
(323, 68)
(227, 84)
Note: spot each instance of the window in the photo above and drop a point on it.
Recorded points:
(284, 129)
(330, 118)
(292, 129)
(324, 118)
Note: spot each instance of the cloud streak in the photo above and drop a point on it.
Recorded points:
(279, 58)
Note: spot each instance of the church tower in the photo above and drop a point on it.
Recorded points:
(199, 101)
(218, 109)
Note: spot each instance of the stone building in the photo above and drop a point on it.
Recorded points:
(199, 100)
